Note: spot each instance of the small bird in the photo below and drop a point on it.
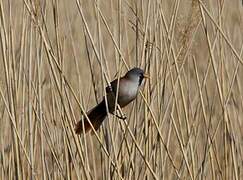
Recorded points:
(127, 92)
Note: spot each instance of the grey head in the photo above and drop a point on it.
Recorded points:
(136, 75)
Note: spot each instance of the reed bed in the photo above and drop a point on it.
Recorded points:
(57, 57)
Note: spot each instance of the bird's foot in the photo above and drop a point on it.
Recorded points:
(123, 117)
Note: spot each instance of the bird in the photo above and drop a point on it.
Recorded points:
(128, 89)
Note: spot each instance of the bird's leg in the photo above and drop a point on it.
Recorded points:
(122, 117)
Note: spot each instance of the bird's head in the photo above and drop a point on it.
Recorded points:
(136, 75)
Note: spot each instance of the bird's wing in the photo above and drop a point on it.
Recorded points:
(112, 87)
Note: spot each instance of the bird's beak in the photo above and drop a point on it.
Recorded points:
(146, 76)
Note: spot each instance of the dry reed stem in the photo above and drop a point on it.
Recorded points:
(58, 57)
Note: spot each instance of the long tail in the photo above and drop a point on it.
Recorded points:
(96, 117)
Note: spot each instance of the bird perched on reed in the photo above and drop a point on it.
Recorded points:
(128, 89)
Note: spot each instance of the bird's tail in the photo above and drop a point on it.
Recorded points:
(96, 117)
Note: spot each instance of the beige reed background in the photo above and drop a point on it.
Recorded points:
(56, 58)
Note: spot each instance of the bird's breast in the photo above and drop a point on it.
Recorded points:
(127, 92)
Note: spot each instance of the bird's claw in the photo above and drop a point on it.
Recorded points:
(123, 117)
